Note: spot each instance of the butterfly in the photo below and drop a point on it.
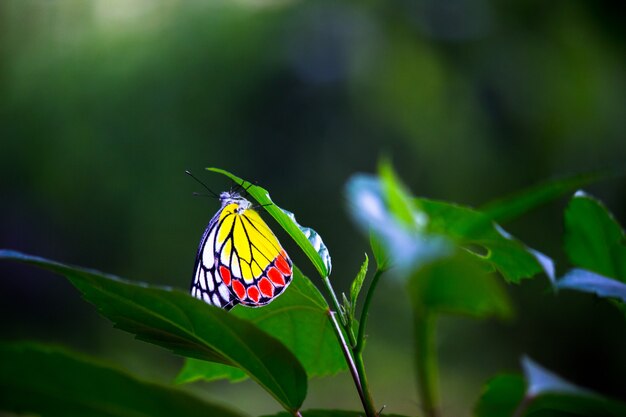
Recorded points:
(239, 259)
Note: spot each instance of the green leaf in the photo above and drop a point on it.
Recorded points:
(407, 244)
(380, 254)
(331, 413)
(587, 281)
(299, 319)
(54, 382)
(501, 396)
(459, 285)
(512, 206)
(195, 370)
(594, 240)
(546, 394)
(355, 288)
(398, 198)
(187, 326)
(487, 241)
(309, 241)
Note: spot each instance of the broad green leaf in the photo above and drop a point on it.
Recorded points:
(544, 394)
(356, 286)
(594, 240)
(299, 319)
(407, 244)
(470, 228)
(587, 281)
(309, 241)
(459, 285)
(187, 326)
(195, 370)
(512, 206)
(501, 396)
(332, 413)
(53, 382)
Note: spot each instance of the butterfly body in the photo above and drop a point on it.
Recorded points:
(239, 260)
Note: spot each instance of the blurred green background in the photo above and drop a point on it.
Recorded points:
(104, 104)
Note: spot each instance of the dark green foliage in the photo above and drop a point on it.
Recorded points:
(459, 285)
(542, 394)
(594, 240)
(187, 326)
(447, 257)
(476, 231)
(54, 382)
(299, 319)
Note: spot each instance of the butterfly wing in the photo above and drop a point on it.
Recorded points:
(240, 261)
(207, 284)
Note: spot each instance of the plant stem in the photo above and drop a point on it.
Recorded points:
(356, 369)
(360, 340)
(426, 362)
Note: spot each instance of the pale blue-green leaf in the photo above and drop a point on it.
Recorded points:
(407, 247)
(587, 281)
(542, 381)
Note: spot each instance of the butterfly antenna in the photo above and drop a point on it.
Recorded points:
(201, 183)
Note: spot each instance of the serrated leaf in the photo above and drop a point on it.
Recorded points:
(459, 285)
(299, 319)
(512, 206)
(355, 288)
(587, 281)
(594, 240)
(471, 228)
(187, 326)
(306, 238)
(405, 243)
(54, 382)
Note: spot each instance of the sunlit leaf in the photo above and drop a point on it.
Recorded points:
(459, 285)
(187, 326)
(299, 319)
(307, 239)
(541, 381)
(470, 228)
(587, 281)
(594, 240)
(53, 382)
(405, 243)
(512, 206)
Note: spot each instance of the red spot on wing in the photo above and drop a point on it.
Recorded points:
(266, 287)
(276, 276)
(238, 288)
(283, 265)
(253, 294)
(225, 273)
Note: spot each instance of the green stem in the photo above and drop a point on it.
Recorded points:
(354, 361)
(426, 362)
(360, 340)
